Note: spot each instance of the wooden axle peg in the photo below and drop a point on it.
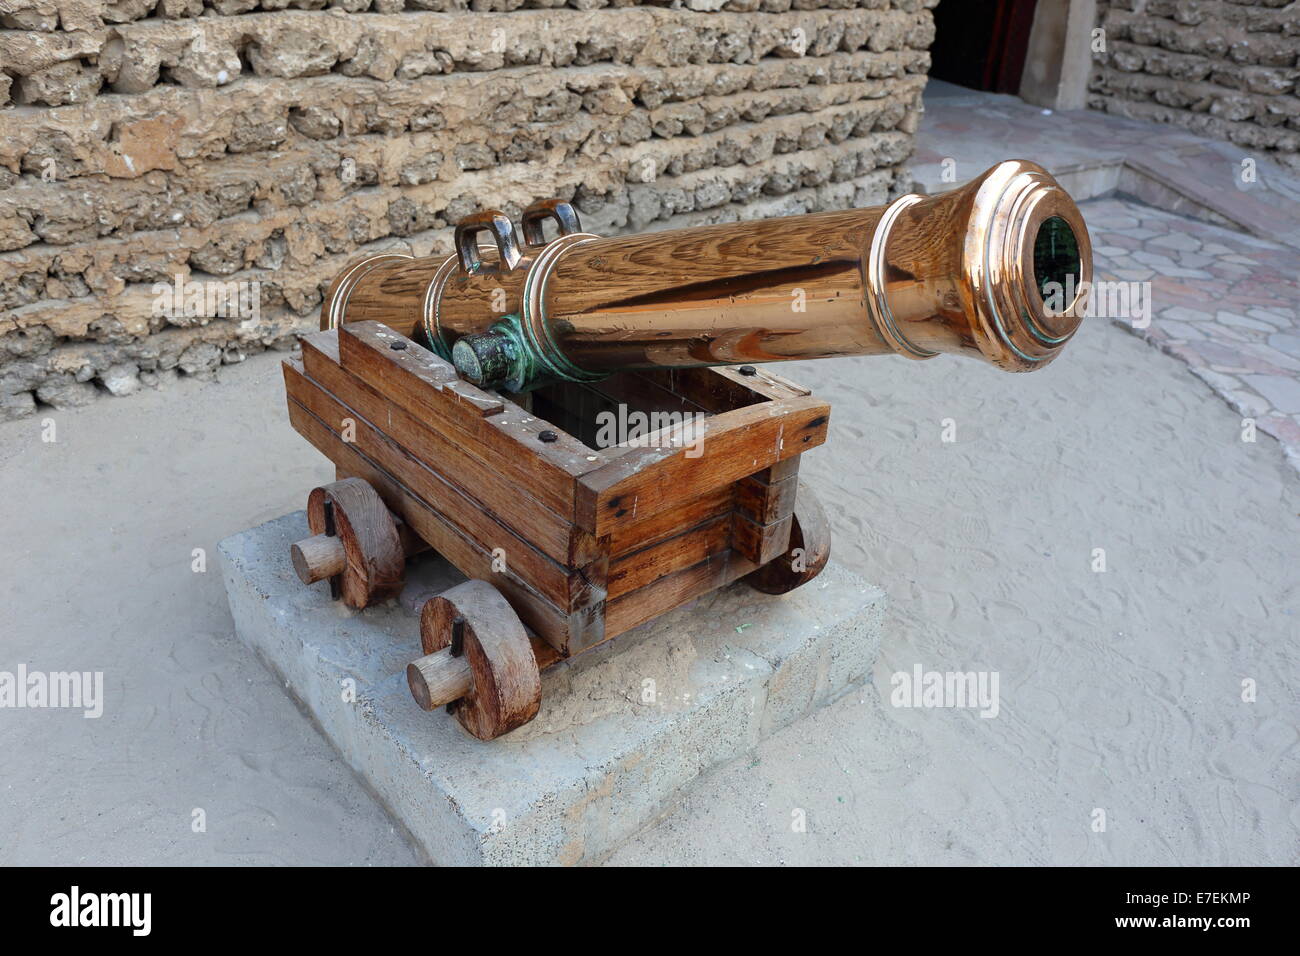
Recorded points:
(810, 548)
(356, 543)
(323, 556)
(438, 679)
(318, 557)
(479, 659)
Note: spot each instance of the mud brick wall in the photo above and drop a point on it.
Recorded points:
(1223, 68)
(272, 141)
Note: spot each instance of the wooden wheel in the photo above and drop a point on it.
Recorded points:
(810, 548)
(478, 660)
(356, 544)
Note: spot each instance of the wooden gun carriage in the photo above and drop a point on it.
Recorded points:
(566, 545)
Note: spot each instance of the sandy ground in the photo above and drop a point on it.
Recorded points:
(1120, 691)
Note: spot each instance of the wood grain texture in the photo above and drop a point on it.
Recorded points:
(452, 456)
(506, 688)
(760, 543)
(544, 617)
(568, 588)
(375, 565)
(735, 444)
(319, 557)
(439, 678)
(765, 502)
(674, 590)
(649, 564)
(808, 552)
(415, 378)
(652, 528)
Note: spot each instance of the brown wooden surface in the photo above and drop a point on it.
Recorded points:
(375, 564)
(506, 689)
(759, 543)
(568, 588)
(653, 528)
(639, 568)
(809, 550)
(765, 503)
(735, 444)
(544, 617)
(319, 557)
(674, 590)
(439, 678)
(416, 378)
(453, 457)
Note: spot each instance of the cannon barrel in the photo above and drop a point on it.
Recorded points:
(997, 269)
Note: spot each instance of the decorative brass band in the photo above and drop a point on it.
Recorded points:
(533, 318)
(878, 300)
(334, 306)
(429, 312)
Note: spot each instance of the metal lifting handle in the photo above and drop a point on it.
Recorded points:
(503, 231)
(535, 216)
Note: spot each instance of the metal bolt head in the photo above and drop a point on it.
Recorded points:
(748, 370)
(548, 436)
(397, 346)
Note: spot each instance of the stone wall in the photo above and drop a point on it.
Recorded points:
(1227, 69)
(265, 143)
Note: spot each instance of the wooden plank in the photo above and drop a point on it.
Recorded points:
(505, 501)
(777, 472)
(674, 590)
(544, 618)
(735, 444)
(763, 381)
(568, 588)
(763, 502)
(760, 543)
(508, 439)
(664, 524)
(640, 568)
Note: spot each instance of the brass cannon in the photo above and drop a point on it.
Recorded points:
(972, 271)
(457, 396)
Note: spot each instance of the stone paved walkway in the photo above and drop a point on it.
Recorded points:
(1222, 302)
(1217, 259)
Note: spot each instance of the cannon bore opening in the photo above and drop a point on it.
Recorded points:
(1057, 264)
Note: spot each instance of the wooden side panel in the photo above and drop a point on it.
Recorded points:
(653, 528)
(508, 438)
(649, 564)
(505, 501)
(561, 605)
(735, 444)
(674, 590)
(542, 617)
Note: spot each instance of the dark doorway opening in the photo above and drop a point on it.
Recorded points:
(981, 44)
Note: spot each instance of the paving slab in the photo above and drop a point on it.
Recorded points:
(623, 731)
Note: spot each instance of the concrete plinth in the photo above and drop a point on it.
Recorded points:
(623, 730)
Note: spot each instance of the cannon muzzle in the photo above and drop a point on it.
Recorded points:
(997, 269)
